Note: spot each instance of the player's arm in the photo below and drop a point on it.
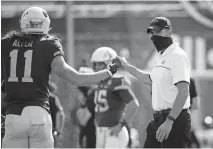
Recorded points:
(131, 111)
(60, 116)
(138, 73)
(61, 68)
(126, 94)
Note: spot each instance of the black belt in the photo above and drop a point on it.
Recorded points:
(166, 111)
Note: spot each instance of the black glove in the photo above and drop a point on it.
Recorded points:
(116, 64)
(116, 61)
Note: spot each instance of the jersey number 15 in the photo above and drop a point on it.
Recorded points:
(101, 104)
(27, 68)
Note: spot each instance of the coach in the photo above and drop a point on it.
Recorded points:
(169, 80)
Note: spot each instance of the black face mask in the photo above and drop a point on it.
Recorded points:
(160, 42)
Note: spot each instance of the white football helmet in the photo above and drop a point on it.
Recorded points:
(103, 54)
(35, 20)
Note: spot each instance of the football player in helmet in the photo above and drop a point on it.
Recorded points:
(112, 97)
(28, 58)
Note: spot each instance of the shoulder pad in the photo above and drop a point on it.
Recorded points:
(54, 41)
(57, 43)
(52, 37)
(121, 83)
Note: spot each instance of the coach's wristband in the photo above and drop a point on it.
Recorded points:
(171, 118)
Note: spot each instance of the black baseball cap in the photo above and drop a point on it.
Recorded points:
(158, 24)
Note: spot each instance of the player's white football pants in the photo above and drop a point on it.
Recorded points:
(105, 140)
(31, 129)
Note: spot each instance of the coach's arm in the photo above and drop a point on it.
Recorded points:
(181, 78)
(183, 93)
(141, 75)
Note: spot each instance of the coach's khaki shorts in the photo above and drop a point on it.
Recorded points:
(31, 129)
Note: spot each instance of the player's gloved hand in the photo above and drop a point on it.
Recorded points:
(116, 129)
(113, 68)
(122, 60)
(116, 61)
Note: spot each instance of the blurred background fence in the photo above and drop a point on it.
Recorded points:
(84, 26)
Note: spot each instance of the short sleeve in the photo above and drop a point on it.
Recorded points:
(54, 48)
(126, 95)
(180, 68)
(122, 83)
(57, 48)
(124, 90)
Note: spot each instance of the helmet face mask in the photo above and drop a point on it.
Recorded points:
(102, 58)
(35, 20)
(98, 66)
(35, 24)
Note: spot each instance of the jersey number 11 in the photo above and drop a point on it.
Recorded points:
(27, 68)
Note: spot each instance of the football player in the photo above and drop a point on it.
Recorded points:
(28, 57)
(112, 97)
